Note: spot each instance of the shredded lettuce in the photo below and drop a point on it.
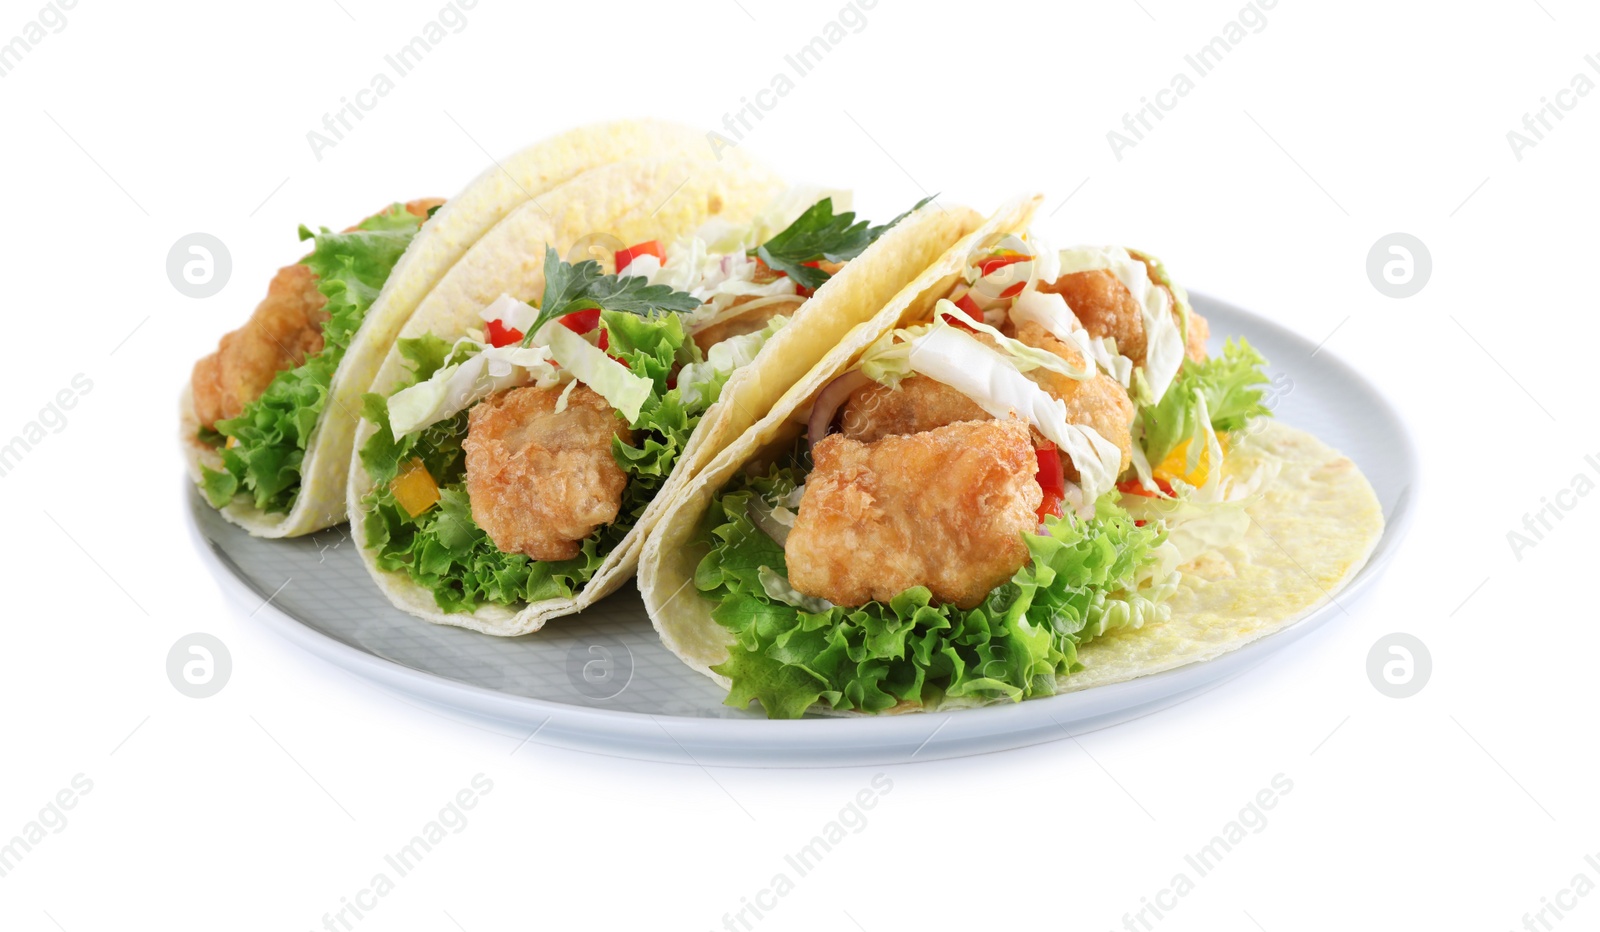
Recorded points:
(443, 549)
(1226, 388)
(1084, 577)
(272, 432)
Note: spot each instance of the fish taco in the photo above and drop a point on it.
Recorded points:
(525, 433)
(267, 418)
(1032, 473)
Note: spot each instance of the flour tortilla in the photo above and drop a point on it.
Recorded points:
(1311, 531)
(618, 201)
(454, 229)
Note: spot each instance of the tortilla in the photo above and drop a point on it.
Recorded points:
(521, 179)
(622, 201)
(1313, 528)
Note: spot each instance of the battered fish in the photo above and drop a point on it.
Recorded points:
(540, 481)
(944, 508)
(1098, 402)
(917, 404)
(284, 329)
(1106, 309)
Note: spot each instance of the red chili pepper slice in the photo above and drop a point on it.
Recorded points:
(1133, 487)
(999, 262)
(650, 248)
(1052, 481)
(501, 335)
(581, 321)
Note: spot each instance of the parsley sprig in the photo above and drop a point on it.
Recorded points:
(820, 234)
(569, 288)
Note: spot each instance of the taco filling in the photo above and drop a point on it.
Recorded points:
(519, 456)
(984, 491)
(258, 398)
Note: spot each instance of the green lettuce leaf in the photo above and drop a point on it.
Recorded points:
(1231, 384)
(272, 432)
(1083, 579)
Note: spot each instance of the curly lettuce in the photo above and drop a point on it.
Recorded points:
(266, 444)
(443, 549)
(1225, 388)
(1083, 578)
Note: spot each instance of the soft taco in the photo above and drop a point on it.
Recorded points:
(557, 388)
(1029, 474)
(267, 419)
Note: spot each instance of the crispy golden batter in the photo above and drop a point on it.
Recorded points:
(1097, 402)
(747, 322)
(540, 481)
(284, 329)
(1199, 333)
(944, 508)
(917, 404)
(1106, 309)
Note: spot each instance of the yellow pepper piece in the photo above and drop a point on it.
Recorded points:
(1176, 465)
(414, 489)
(232, 442)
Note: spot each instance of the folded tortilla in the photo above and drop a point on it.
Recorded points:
(496, 194)
(1311, 530)
(633, 202)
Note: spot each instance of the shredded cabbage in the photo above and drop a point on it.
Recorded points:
(1051, 312)
(703, 380)
(1023, 356)
(590, 365)
(454, 388)
(994, 382)
(1164, 342)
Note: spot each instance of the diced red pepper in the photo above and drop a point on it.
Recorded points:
(625, 257)
(999, 262)
(970, 308)
(581, 321)
(1014, 290)
(1133, 487)
(501, 335)
(605, 339)
(1052, 481)
(766, 273)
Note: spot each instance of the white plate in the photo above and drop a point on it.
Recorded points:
(602, 681)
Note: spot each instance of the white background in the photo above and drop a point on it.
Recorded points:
(262, 807)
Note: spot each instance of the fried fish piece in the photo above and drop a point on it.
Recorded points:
(1098, 402)
(944, 508)
(1107, 309)
(541, 480)
(284, 329)
(917, 404)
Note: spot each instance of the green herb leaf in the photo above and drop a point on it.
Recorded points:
(820, 234)
(569, 288)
